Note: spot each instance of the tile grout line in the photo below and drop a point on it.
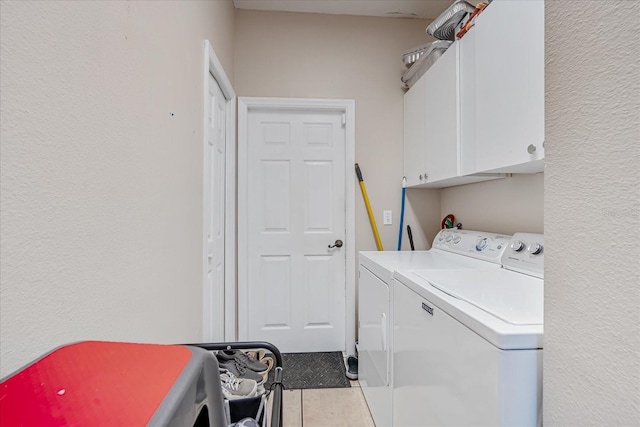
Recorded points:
(301, 409)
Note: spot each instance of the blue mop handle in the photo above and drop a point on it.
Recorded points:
(404, 190)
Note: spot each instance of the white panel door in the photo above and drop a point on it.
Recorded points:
(295, 211)
(214, 223)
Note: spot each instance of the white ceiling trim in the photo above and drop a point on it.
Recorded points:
(427, 9)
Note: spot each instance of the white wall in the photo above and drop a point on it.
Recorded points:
(101, 182)
(592, 211)
(302, 55)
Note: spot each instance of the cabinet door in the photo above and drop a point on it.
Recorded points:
(414, 133)
(467, 70)
(441, 117)
(509, 66)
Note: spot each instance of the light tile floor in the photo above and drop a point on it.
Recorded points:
(328, 407)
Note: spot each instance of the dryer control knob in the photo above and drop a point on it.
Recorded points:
(517, 246)
(482, 244)
(535, 248)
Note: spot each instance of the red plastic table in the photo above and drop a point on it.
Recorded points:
(117, 384)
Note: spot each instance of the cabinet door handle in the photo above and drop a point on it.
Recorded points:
(531, 149)
(420, 177)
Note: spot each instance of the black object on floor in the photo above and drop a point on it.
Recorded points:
(312, 370)
(352, 367)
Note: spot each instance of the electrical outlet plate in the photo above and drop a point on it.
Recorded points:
(387, 217)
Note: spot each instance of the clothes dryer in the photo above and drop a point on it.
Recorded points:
(452, 249)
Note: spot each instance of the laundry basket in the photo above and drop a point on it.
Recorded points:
(254, 407)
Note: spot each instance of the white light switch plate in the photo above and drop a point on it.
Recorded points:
(387, 217)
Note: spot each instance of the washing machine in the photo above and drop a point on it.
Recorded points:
(451, 249)
(467, 347)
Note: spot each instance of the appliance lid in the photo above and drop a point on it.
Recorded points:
(515, 298)
(384, 264)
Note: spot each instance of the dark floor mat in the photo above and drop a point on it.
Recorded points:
(312, 370)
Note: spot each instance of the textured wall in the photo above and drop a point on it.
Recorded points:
(101, 182)
(302, 55)
(592, 211)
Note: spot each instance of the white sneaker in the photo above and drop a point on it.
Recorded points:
(237, 388)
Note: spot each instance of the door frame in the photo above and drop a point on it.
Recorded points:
(347, 107)
(213, 66)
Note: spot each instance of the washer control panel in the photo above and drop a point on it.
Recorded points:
(525, 254)
(477, 244)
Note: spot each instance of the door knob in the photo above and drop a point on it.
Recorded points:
(337, 244)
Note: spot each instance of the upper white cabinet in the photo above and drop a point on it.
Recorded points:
(478, 112)
(502, 89)
(431, 127)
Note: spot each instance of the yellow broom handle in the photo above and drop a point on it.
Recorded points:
(369, 211)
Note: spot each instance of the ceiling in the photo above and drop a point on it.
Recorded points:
(429, 9)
